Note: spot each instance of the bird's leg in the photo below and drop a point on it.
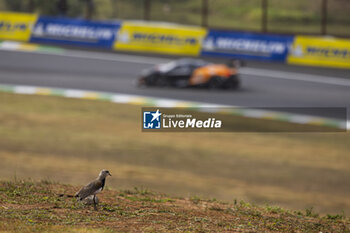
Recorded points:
(95, 207)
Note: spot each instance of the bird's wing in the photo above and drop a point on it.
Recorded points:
(89, 189)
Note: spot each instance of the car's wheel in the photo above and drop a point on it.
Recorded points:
(231, 83)
(140, 82)
(215, 82)
(151, 80)
(161, 81)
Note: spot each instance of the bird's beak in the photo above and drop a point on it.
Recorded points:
(109, 174)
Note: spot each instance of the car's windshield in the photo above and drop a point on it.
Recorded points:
(192, 63)
(167, 66)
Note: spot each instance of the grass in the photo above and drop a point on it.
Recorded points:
(28, 206)
(70, 140)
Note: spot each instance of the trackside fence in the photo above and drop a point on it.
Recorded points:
(175, 39)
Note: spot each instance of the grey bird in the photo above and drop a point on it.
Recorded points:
(93, 187)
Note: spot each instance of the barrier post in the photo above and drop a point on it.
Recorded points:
(146, 9)
(31, 6)
(204, 13)
(90, 9)
(264, 6)
(324, 17)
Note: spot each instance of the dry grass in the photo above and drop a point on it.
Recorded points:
(28, 206)
(71, 140)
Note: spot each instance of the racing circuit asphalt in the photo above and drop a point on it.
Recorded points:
(263, 84)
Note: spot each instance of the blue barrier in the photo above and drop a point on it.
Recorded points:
(246, 45)
(79, 32)
(75, 32)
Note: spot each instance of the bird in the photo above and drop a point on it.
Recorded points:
(93, 187)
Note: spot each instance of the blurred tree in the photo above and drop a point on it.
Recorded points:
(31, 6)
(62, 7)
(46, 7)
(90, 9)
(14, 5)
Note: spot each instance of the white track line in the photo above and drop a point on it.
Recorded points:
(163, 102)
(115, 57)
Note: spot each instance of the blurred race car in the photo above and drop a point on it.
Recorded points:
(190, 72)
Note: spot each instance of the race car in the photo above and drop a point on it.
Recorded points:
(189, 72)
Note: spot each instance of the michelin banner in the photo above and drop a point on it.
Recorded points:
(160, 38)
(246, 45)
(318, 51)
(75, 32)
(16, 26)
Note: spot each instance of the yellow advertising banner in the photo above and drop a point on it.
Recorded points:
(160, 38)
(16, 26)
(320, 51)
